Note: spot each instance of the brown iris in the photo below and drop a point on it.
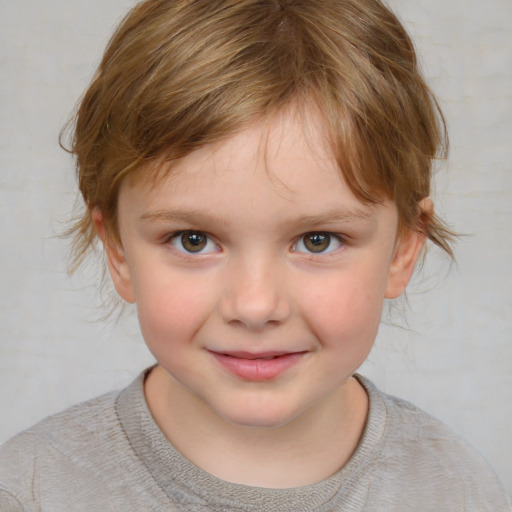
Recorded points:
(317, 242)
(193, 241)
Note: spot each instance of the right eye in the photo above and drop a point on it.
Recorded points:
(318, 243)
(193, 242)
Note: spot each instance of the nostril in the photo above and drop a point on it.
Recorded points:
(254, 326)
(255, 297)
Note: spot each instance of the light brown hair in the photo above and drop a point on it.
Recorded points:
(180, 74)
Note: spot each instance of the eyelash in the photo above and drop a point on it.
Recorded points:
(177, 239)
(321, 236)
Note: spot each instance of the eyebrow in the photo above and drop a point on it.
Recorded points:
(194, 217)
(335, 215)
(183, 215)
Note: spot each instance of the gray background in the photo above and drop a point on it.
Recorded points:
(453, 352)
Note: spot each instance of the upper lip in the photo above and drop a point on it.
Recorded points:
(241, 354)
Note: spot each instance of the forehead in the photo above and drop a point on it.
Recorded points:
(278, 168)
(269, 182)
(281, 145)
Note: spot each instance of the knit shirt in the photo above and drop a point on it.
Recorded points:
(108, 454)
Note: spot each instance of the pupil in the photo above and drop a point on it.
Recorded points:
(317, 242)
(193, 242)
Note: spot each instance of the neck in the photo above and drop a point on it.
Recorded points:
(325, 436)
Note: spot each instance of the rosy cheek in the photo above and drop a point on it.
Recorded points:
(343, 309)
(174, 310)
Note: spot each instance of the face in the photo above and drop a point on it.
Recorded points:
(259, 277)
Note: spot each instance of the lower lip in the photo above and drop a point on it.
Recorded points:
(258, 369)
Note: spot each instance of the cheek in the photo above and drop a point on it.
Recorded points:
(171, 310)
(344, 310)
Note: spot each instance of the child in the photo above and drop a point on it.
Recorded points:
(258, 172)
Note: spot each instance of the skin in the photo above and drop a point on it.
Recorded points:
(257, 287)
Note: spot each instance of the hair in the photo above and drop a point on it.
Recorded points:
(180, 74)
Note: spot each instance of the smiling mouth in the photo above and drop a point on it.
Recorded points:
(262, 355)
(262, 366)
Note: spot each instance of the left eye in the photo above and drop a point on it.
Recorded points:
(317, 243)
(193, 242)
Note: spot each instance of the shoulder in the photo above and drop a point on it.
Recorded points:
(419, 453)
(54, 450)
(79, 459)
(66, 431)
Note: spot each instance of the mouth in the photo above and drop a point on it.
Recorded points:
(257, 355)
(257, 366)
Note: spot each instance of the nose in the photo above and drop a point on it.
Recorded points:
(255, 296)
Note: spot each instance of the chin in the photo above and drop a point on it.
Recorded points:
(259, 416)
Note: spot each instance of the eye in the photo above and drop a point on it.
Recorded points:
(193, 242)
(317, 243)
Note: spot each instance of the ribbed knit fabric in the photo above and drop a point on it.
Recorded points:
(108, 454)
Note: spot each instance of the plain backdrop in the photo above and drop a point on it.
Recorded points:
(451, 353)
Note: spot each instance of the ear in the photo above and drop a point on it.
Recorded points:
(407, 252)
(117, 264)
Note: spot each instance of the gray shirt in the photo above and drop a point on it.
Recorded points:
(108, 454)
